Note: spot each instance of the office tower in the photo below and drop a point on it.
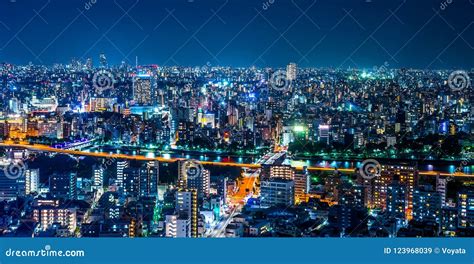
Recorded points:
(408, 176)
(291, 71)
(201, 184)
(131, 181)
(63, 185)
(222, 189)
(466, 209)
(323, 133)
(350, 206)
(277, 192)
(192, 175)
(380, 190)
(441, 188)
(449, 221)
(396, 200)
(98, 177)
(143, 89)
(121, 165)
(149, 179)
(187, 208)
(427, 205)
(31, 181)
(331, 185)
(302, 185)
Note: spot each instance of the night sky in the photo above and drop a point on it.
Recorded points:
(325, 33)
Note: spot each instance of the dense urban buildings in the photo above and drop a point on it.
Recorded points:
(152, 151)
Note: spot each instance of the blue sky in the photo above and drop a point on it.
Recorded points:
(324, 33)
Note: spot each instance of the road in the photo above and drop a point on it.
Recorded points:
(219, 230)
(39, 147)
(245, 188)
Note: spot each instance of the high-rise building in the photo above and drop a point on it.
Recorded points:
(323, 134)
(8, 187)
(177, 226)
(427, 205)
(98, 177)
(187, 208)
(191, 175)
(277, 192)
(405, 175)
(441, 188)
(291, 71)
(143, 85)
(149, 179)
(121, 165)
(302, 185)
(449, 220)
(331, 185)
(466, 209)
(31, 181)
(350, 206)
(222, 188)
(131, 181)
(63, 185)
(396, 200)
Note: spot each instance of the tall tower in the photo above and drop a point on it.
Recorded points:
(291, 71)
(187, 206)
(143, 89)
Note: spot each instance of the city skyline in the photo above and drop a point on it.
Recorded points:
(194, 33)
(332, 120)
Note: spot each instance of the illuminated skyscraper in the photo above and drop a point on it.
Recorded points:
(187, 208)
(143, 89)
(121, 165)
(466, 209)
(149, 179)
(291, 71)
(98, 177)
(31, 180)
(302, 185)
(406, 175)
(277, 192)
(199, 181)
(396, 200)
(426, 205)
(441, 189)
(324, 133)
